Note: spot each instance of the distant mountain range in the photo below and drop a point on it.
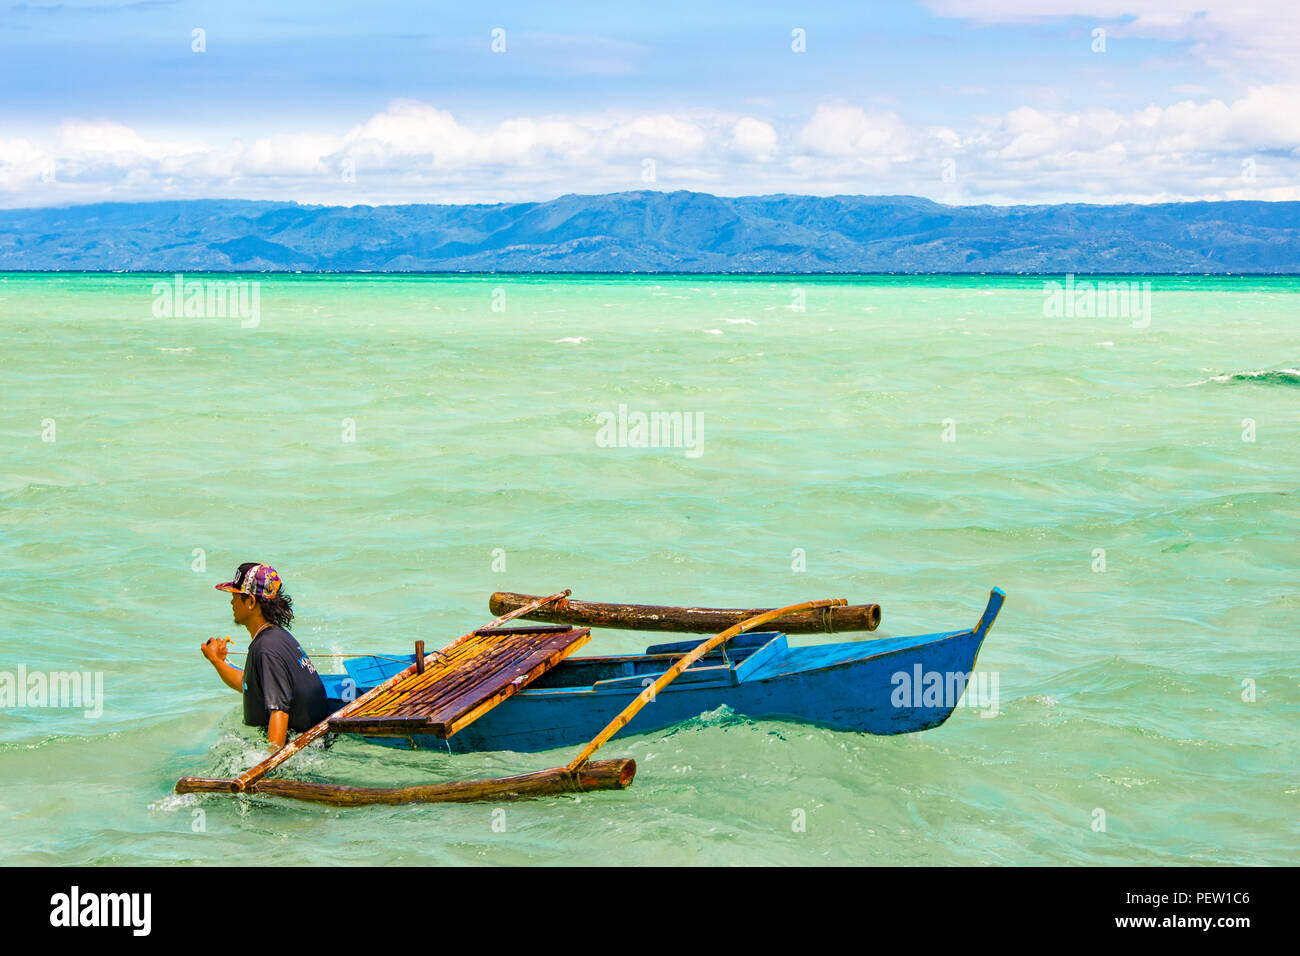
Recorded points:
(657, 232)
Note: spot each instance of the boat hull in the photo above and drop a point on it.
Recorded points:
(854, 696)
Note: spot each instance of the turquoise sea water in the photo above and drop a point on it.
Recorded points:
(475, 404)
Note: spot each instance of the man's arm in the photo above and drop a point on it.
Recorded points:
(277, 731)
(277, 695)
(214, 649)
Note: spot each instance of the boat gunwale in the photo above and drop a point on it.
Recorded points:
(938, 638)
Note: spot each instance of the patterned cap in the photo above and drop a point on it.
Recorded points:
(259, 580)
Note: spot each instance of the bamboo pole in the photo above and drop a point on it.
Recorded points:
(596, 775)
(670, 675)
(251, 776)
(689, 620)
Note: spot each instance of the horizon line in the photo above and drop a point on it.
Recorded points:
(632, 274)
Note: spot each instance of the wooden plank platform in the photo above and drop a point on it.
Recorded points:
(463, 681)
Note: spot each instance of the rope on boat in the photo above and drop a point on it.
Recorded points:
(378, 657)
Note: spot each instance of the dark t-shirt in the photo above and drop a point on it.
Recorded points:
(280, 676)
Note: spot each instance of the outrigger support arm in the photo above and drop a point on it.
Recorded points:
(670, 675)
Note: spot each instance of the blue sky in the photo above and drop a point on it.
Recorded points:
(1001, 101)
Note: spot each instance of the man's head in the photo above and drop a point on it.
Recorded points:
(256, 594)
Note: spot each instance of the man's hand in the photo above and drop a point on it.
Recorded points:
(214, 648)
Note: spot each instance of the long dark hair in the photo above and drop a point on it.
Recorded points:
(277, 610)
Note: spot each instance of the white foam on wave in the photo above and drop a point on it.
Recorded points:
(174, 801)
(572, 340)
(742, 321)
(186, 349)
(1273, 374)
(713, 332)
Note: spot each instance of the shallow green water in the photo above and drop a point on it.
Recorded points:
(823, 430)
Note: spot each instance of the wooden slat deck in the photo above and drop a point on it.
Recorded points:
(463, 681)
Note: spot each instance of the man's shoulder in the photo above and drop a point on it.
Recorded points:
(276, 638)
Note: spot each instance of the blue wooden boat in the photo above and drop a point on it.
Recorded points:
(892, 685)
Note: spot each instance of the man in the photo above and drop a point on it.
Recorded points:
(280, 686)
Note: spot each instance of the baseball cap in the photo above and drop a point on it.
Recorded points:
(259, 580)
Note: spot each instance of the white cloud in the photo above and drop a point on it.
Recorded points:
(850, 131)
(661, 136)
(754, 139)
(410, 130)
(1260, 121)
(101, 137)
(24, 164)
(416, 152)
(301, 154)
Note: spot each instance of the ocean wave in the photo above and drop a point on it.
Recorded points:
(721, 716)
(174, 802)
(1264, 376)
